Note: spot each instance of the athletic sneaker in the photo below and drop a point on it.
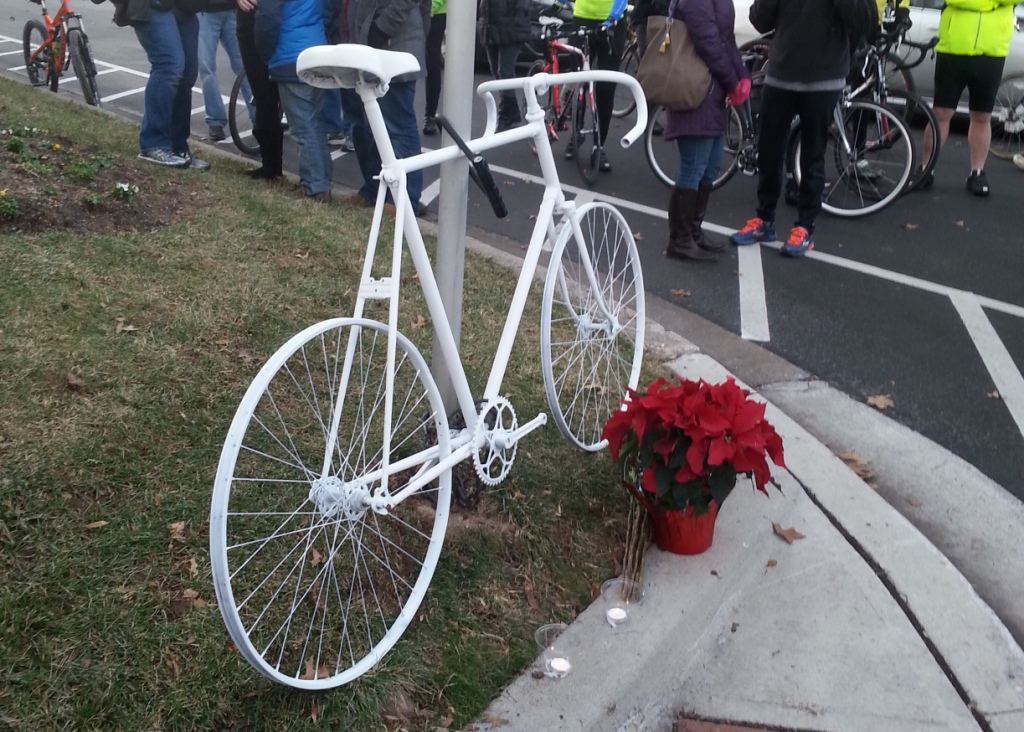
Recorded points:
(977, 183)
(604, 165)
(928, 181)
(1018, 160)
(570, 150)
(164, 157)
(194, 163)
(429, 126)
(217, 133)
(798, 243)
(340, 139)
(753, 231)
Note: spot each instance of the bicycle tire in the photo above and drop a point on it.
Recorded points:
(38, 69)
(1008, 117)
(735, 138)
(897, 76)
(850, 192)
(239, 122)
(911, 107)
(586, 133)
(588, 364)
(295, 549)
(758, 51)
(627, 104)
(82, 63)
(660, 168)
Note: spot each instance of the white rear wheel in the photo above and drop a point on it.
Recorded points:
(587, 360)
(315, 586)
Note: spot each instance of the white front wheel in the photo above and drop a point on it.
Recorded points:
(592, 331)
(314, 580)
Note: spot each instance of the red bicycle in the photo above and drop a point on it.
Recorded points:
(50, 43)
(575, 104)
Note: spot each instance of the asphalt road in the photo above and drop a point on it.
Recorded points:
(922, 302)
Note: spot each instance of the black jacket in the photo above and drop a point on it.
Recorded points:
(503, 22)
(811, 42)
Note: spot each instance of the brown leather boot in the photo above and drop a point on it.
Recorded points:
(700, 210)
(681, 206)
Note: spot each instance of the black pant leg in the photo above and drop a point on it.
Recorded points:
(777, 110)
(816, 110)
(264, 91)
(438, 23)
(608, 57)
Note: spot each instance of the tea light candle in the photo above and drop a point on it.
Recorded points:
(615, 615)
(560, 666)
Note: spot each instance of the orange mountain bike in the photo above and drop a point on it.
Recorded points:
(51, 42)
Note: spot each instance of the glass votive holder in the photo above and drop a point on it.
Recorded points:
(553, 660)
(621, 597)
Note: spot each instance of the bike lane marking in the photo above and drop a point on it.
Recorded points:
(753, 304)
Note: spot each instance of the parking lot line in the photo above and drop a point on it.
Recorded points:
(1008, 380)
(753, 306)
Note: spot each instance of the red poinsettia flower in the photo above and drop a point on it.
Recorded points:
(702, 434)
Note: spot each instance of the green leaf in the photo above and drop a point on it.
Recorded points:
(721, 481)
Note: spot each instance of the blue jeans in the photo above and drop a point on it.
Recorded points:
(214, 29)
(303, 105)
(334, 122)
(400, 118)
(699, 160)
(171, 43)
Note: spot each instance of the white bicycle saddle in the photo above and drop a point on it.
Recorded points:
(343, 65)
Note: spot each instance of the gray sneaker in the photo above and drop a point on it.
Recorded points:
(217, 133)
(164, 157)
(341, 140)
(193, 162)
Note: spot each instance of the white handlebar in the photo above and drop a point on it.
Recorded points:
(537, 84)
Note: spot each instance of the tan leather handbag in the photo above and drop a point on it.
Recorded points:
(671, 71)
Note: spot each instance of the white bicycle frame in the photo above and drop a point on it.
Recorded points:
(394, 172)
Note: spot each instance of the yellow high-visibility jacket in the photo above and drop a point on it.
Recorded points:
(976, 27)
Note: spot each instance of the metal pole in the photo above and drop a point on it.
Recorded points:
(457, 106)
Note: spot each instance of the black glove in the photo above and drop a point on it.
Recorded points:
(378, 38)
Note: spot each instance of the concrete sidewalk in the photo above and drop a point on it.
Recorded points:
(861, 626)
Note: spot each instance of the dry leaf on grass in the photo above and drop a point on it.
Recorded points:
(120, 327)
(531, 599)
(680, 293)
(314, 714)
(193, 597)
(193, 568)
(790, 534)
(772, 563)
(74, 383)
(496, 721)
(881, 401)
(96, 525)
(314, 558)
(419, 322)
(177, 530)
(311, 673)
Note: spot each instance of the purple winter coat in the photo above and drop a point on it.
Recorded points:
(710, 23)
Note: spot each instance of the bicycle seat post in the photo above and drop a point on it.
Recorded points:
(369, 94)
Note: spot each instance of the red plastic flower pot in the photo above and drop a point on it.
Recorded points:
(680, 532)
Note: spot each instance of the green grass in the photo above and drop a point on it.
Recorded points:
(122, 360)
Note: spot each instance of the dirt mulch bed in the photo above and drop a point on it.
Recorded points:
(56, 185)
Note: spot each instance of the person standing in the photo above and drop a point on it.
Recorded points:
(395, 25)
(168, 32)
(503, 26)
(607, 42)
(974, 40)
(217, 27)
(435, 62)
(283, 30)
(810, 60)
(266, 122)
(700, 133)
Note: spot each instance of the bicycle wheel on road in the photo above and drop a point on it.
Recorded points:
(38, 69)
(586, 132)
(1008, 117)
(239, 121)
(315, 587)
(663, 157)
(588, 362)
(912, 109)
(85, 68)
(625, 102)
(868, 162)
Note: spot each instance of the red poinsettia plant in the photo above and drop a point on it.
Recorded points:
(684, 443)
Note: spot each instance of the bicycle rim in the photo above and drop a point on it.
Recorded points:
(625, 102)
(1008, 118)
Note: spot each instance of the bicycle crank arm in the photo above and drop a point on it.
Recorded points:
(515, 436)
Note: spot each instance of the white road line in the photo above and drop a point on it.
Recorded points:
(753, 307)
(119, 95)
(106, 71)
(10, 53)
(17, 68)
(335, 154)
(125, 69)
(998, 361)
(430, 192)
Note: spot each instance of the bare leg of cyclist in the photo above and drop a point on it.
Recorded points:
(979, 138)
(943, 116)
